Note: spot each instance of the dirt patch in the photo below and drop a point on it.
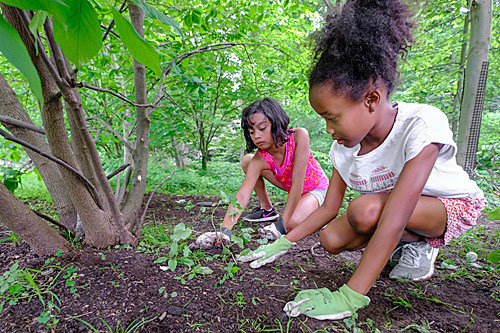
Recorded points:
(117, 286)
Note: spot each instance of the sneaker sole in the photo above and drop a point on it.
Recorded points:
(262, 219)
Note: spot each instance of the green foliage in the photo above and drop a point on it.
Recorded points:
(137, 46)
(79, 32)
(21, 285)
(14, 50)
(159, 17)
(191, 180)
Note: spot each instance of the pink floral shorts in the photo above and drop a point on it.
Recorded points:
(462, 214)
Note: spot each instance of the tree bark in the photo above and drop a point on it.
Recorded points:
(461, 72)
(140, 154)
(40, 236)
(99, 230)
(475, 82)
(10, 106)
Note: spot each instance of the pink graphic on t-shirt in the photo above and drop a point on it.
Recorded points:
(382, 179)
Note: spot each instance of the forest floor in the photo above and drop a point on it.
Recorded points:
(114, 289)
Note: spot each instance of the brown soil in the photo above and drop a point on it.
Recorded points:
(120, 285)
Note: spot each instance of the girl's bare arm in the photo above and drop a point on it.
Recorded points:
(325, 213)
(394, 217)
(301, 156)
(255, 167)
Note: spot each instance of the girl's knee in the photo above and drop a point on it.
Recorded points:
(363, 213)
(245, 161)
(330, 242)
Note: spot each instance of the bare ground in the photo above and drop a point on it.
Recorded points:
(117, 286)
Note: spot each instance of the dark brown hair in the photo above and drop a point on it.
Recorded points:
(274, 112)
(361, 46)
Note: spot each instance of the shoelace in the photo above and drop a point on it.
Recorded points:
(410, 256)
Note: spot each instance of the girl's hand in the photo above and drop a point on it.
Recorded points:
(322, 304)
(267, 253)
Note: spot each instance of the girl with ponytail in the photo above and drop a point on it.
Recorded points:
(399, 156)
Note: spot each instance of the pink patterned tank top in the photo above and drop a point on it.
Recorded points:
(316, 178)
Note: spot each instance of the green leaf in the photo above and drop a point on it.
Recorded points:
(36, 4)
(237, 240)
(494, 214)
(141, 50)
(157, 15)
(172, 264)
(79, 32)
(14, 50)
(44, 318)
(36, 22)
(174, 248)
(204, 270)
(188, 21)
(160, 260)
(493, 257)
(181, 232)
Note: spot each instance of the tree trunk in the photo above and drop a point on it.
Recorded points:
(10, 106)
(133, 203)
(461, 71)
(475, 83)
(40, 236)
(99, 230)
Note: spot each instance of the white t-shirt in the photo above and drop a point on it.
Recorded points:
(416, 126)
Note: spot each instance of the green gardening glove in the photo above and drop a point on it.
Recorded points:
(322, 304)
(267, 253)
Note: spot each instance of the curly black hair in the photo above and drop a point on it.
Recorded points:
(361, 45)
(274, 112)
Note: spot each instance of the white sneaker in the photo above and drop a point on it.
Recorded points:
(270, 232)
(416, 262)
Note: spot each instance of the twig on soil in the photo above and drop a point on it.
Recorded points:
(318, 244)
(311, 249)
(80, 315)
(276, 299)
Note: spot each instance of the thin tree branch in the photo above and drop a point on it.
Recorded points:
(117, 171)
(171, 99)
(215, 47)
(51, 220)
(57, 53)
(77, 173)
(143, 216)
(331, 8)
(108, 30)
(53, 71)
(105, 124)
(123, 98)
(20, 123)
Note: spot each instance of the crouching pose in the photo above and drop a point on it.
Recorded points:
(400, 156)
(286, 161)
